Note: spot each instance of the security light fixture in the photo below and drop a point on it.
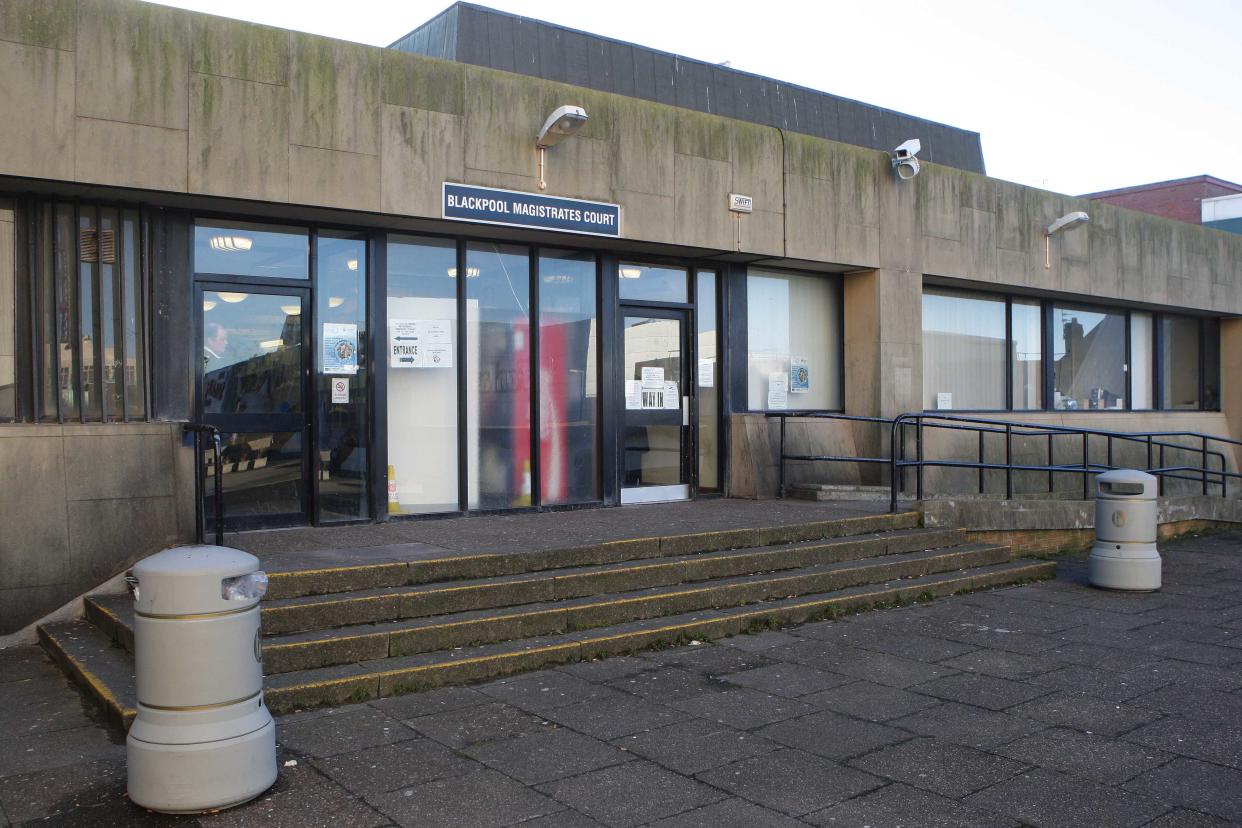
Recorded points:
(1066, 222)
(904, 161)
(563, 123)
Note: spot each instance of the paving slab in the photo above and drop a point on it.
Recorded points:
(1050, 799)
(788, 680)
(1100, 758)
(1198, 738)
(477, 800)
(833, 735)
(791, 781)
(548, 755)
(696, 745)
(611, 721)
(1086, 713)
(939, 766)
(867, 700)
(1197, 785)
(901, 806)
(472, 725)
(742, 707)
(729, 812)
(967, 725)
(635, 793)
(388, 767)
(344, 730)
(981, 690)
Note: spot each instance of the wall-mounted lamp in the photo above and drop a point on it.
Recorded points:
(904, 162)
(561, 124)
(1066, 222)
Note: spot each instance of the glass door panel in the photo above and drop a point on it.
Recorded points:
(654, 434)
(254, 364)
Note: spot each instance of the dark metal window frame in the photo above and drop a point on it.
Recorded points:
(1047, 338)
(34, 261)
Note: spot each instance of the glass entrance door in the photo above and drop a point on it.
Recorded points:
(254, 365)
(656, 432)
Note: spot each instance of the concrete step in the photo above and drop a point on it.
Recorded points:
(342, 645)
(323, 581)
(394, 603)
(837, 491)
(394, 676)
(105, 670)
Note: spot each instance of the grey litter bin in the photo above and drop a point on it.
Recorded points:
(202, 738)
(1124, 555)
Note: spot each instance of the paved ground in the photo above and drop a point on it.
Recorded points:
(1051, 705)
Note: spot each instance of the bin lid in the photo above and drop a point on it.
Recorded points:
(1129, 484)
(185, 580)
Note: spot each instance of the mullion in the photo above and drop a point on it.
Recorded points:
(533, 281)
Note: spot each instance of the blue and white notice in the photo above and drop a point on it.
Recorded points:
(463, 202)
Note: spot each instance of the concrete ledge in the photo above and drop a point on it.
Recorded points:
(986, 514)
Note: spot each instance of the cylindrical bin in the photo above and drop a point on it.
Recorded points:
(1124, 555)
(202, 738)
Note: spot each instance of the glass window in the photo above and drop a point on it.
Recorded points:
(793, 324)
(342, 374)
(421, 359)
(1089, 348)
(964, 351)
(238, 248)
(67, 312)
(707, 381)
(1142, 349)
(1211, 364)
(650, 283)
(498, 394)
(252, 353)
(1179, 362)
(568, 461)
(131, 316)
(8, 294)
(1028, 354)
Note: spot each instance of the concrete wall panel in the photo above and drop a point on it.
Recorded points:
(49, 23)
(240, 50)
(132, 463)
(422, 83)
(133, 60)
(131, 155)
(701, 214)
(335, 95)
(338, 179)
(36, 111)
(224, 160)
(422, 149)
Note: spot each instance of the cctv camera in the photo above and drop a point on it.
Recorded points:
(561, 124)
(904, 161)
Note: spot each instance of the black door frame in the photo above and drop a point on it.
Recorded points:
(242, 423)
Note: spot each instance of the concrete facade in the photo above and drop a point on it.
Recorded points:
(157, 106)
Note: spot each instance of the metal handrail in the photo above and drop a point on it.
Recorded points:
(898, 462)
(198, 430)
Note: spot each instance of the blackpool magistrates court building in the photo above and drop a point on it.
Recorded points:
(356, 264)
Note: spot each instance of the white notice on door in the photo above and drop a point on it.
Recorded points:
(778, 390)
(653, 378)
(672, 400)
(707, 373)
(403, 343)
(340, 390)
(633, 394)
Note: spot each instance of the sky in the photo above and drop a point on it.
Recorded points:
(1071, 97)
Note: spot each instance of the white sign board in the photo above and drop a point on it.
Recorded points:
(340, 390)
(653, 378)
(739, 203)
(340, 348)
(944, 401)
(633, 394)
(778, 390)
(672, 400)
(707, 373)
(420, 343)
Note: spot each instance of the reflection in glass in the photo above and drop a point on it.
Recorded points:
(964, 351)
(1027, 354)
(567, 381)
(651, 283)
(88, 333)
(1142, 348)
(422, 396)
(66, 305)
(498, 397)
(707, 381)
(1179, 362)
(653, 434)
(261, 474)
(131, 318)
(1088, 352)
(239, 248)
(1211, 364)
(8, 359)
(252, 354)
(791, 316)
(341, 308)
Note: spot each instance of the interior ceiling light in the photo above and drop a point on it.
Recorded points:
(630, 272)
(291, 310)
(208, 304)
(231, 244)
(232, 298)
(335, 301)
(471, 272)
(558, 278)
(352, 264)
(271, 344)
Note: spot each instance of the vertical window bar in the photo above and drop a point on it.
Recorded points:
(1202, 367)
(534, 326)
(1010, 353)
(120, 358)
(1129, 360)
(28, 407)
(463, 437)
(1157, 367)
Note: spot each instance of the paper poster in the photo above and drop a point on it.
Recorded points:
(420, 343)
(653, 398)
(707, 373)
(340, 390)
(633, 394)
(799, 376)
(653, 378)
(672, 400)
(944, 401)
(340, 348)
(778, 391)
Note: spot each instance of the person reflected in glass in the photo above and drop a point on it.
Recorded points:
(216, 352)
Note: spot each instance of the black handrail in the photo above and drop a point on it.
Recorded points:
(198, 430)
(897, 462)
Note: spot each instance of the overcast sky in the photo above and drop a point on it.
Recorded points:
(1073, 97)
